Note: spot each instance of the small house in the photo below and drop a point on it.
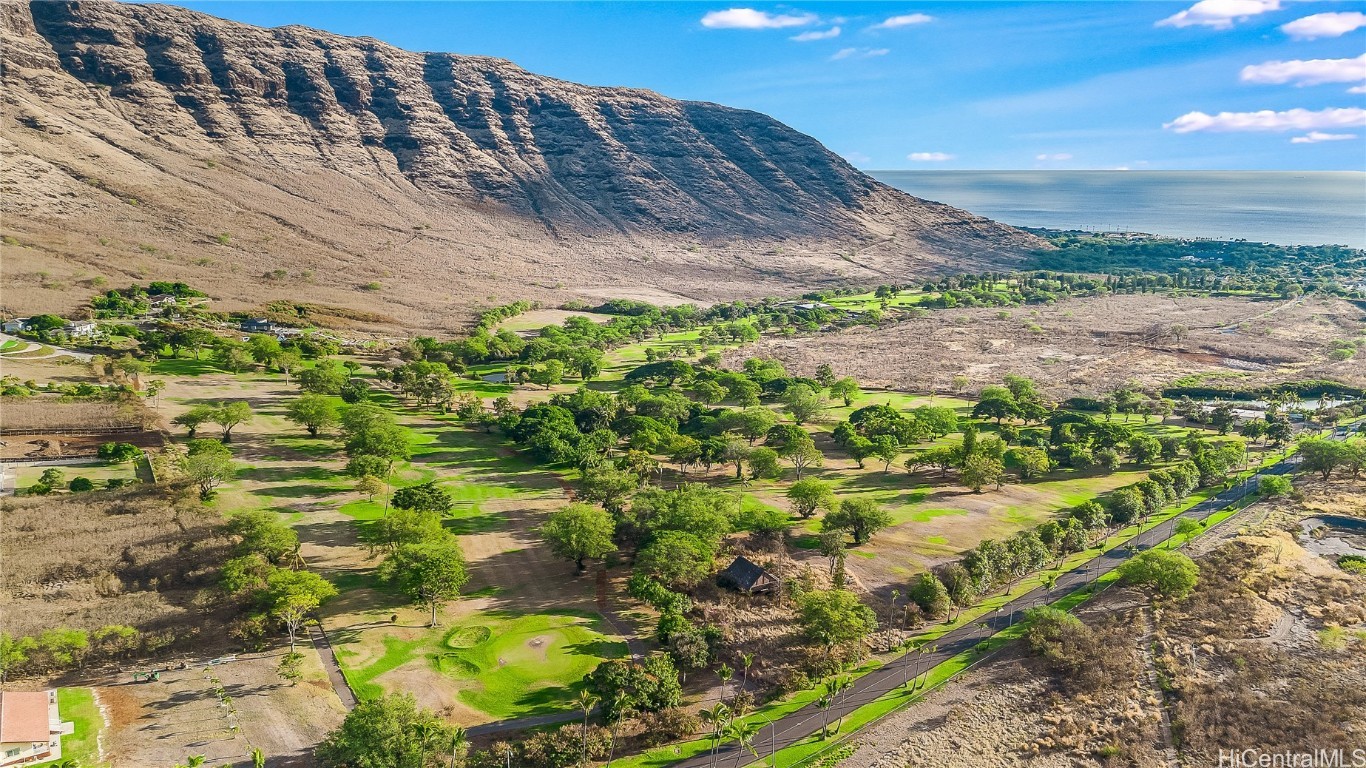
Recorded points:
(79, 328)
(162, 300)
(745, 576)
(17, 325)
(257, 325)
(31, 727)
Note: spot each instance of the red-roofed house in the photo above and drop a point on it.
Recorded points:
(30, 727)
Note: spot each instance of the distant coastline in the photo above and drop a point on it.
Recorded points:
(1283, 207)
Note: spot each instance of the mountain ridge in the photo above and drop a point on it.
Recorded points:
(470, 170)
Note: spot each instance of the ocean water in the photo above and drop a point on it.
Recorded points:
(1284, 207)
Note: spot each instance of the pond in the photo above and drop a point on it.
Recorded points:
(1334, 535)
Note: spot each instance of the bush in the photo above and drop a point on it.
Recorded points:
(81, 485)
(118, 452)
(1164, 572)
(1274, 485)
(1353, 564)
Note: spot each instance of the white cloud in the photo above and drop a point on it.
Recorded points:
(859, 53)
(1307, 72)
(904, 20)
(1314, 137)
(1268, 120)
(1219, 14)
(929, 157)
(807, 37)
(1058, 156)
(748, 18)
(1357, 89)
(857, 158)
(1325, 25)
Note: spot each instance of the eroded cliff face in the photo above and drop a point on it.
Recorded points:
(206, 122)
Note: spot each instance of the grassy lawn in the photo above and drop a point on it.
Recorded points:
(77, 705)
(524, 665)
(97, 473)
(505, 664)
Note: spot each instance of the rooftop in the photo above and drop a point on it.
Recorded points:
(24, 716)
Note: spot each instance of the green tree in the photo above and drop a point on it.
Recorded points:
(1030, 462)
(14, 653)
(578, 532)
(207, 464)
(293, 595)
(809, 495)
(387, 732)
(834, 617)
(763, 463)
(676, 558)
(862, 516)
(1274, 485)
(979, 470)
(262, 532)
(846, 389)
(1164, 572)
(265, 349)
(314, 412)
(229, 415)
(886, 448)
(326, 378)
(803, 403)
(929, 593)
(194, 418)
(1185, 527)
(429, 573)
(428, 497)
(81, 485)
(1322, 455)
(369, 486)
(802, 453)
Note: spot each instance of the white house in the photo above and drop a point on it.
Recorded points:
(16, 325)
(79, 328)
(162, 300)
(31, 728)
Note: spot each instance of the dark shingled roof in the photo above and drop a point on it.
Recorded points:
(747, 577)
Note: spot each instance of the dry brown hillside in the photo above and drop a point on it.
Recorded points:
(152, 141)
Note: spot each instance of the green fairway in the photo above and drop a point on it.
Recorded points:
(524, 665)
(505, 665)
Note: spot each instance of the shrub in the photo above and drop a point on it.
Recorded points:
(81, 485)
(118, 452)
(1274, 485)
(1353, 564)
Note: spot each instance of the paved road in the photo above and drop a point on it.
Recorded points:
(806, 721)
(334, 673)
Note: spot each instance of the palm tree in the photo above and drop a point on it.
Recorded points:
(746, 661)
(725, 673)
(622, 712)
(458, 742)
(840, 686)
(425, 732)
(586, 702)
(743, 733)
(716, 717)
(824, 702)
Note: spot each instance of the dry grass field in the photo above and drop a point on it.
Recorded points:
(1092, 345)
(1251, 657)
(130, 557)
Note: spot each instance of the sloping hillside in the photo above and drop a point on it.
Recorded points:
(151, 140)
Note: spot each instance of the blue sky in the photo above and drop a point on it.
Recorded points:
(1219, 84)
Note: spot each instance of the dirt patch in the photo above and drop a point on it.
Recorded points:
(61, 446)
